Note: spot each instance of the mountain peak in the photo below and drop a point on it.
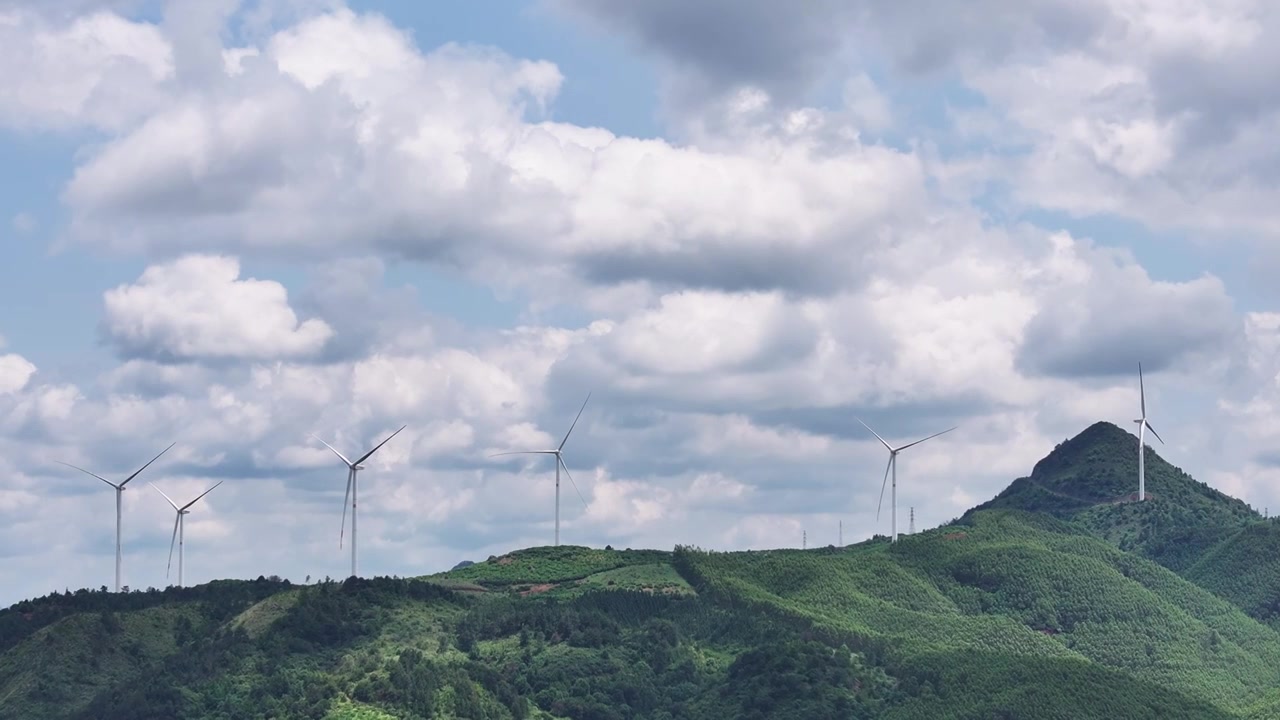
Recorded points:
(1092, 480)
(1097, 466)
(1100, 438)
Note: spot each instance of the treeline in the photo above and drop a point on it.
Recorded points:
(218, 599)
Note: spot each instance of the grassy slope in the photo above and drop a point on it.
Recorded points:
(566, 571)
(259, 617)
(542, 565)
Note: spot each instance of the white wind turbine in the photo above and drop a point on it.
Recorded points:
(1143, 427)
(893, 465)
(559, 454)
(119, 488)
(179, 526)
(352, 469)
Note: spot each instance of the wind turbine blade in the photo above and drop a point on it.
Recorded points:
(944, 432)
(873, 432)
(341, 457)
(345, 501)
(166, 497)
(571, 482)
(1142, 393)
(171, 542)
(86, 472)
(575, 423)
(375, 448)
(206, 492)
(1153, 432)
(524, 452)
(883, 484)
(144, 467)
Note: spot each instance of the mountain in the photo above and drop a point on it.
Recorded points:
(1091, 480)
(1210, 538)
(1057, 599)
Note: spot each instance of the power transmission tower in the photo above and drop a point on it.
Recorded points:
(841, 533)
(804, 540)
(911, 528)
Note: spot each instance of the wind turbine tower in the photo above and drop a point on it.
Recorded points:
(893, 466)
(119, 488)
(559, 455)
(1143, 427)
(179, 527)
(352, 469)
(841, 541)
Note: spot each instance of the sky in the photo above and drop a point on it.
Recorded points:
(741, 225)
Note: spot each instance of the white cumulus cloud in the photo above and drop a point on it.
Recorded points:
(197, 307)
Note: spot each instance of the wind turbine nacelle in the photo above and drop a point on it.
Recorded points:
(358, 467)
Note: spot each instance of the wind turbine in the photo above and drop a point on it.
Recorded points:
(352, 469)
(893, 465)
(179, 525)
(119, 494)
(559, 453)
(1143, 427)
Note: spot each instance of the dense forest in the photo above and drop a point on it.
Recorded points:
(1060, 598)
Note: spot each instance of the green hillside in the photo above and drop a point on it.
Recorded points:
(1042, 605)
(1212, 539)
(1013, 586)
(1092, 479)
(1245, 569)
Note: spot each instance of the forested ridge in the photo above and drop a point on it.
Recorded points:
(1057, 599)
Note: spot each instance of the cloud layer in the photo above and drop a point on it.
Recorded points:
(742, 289)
